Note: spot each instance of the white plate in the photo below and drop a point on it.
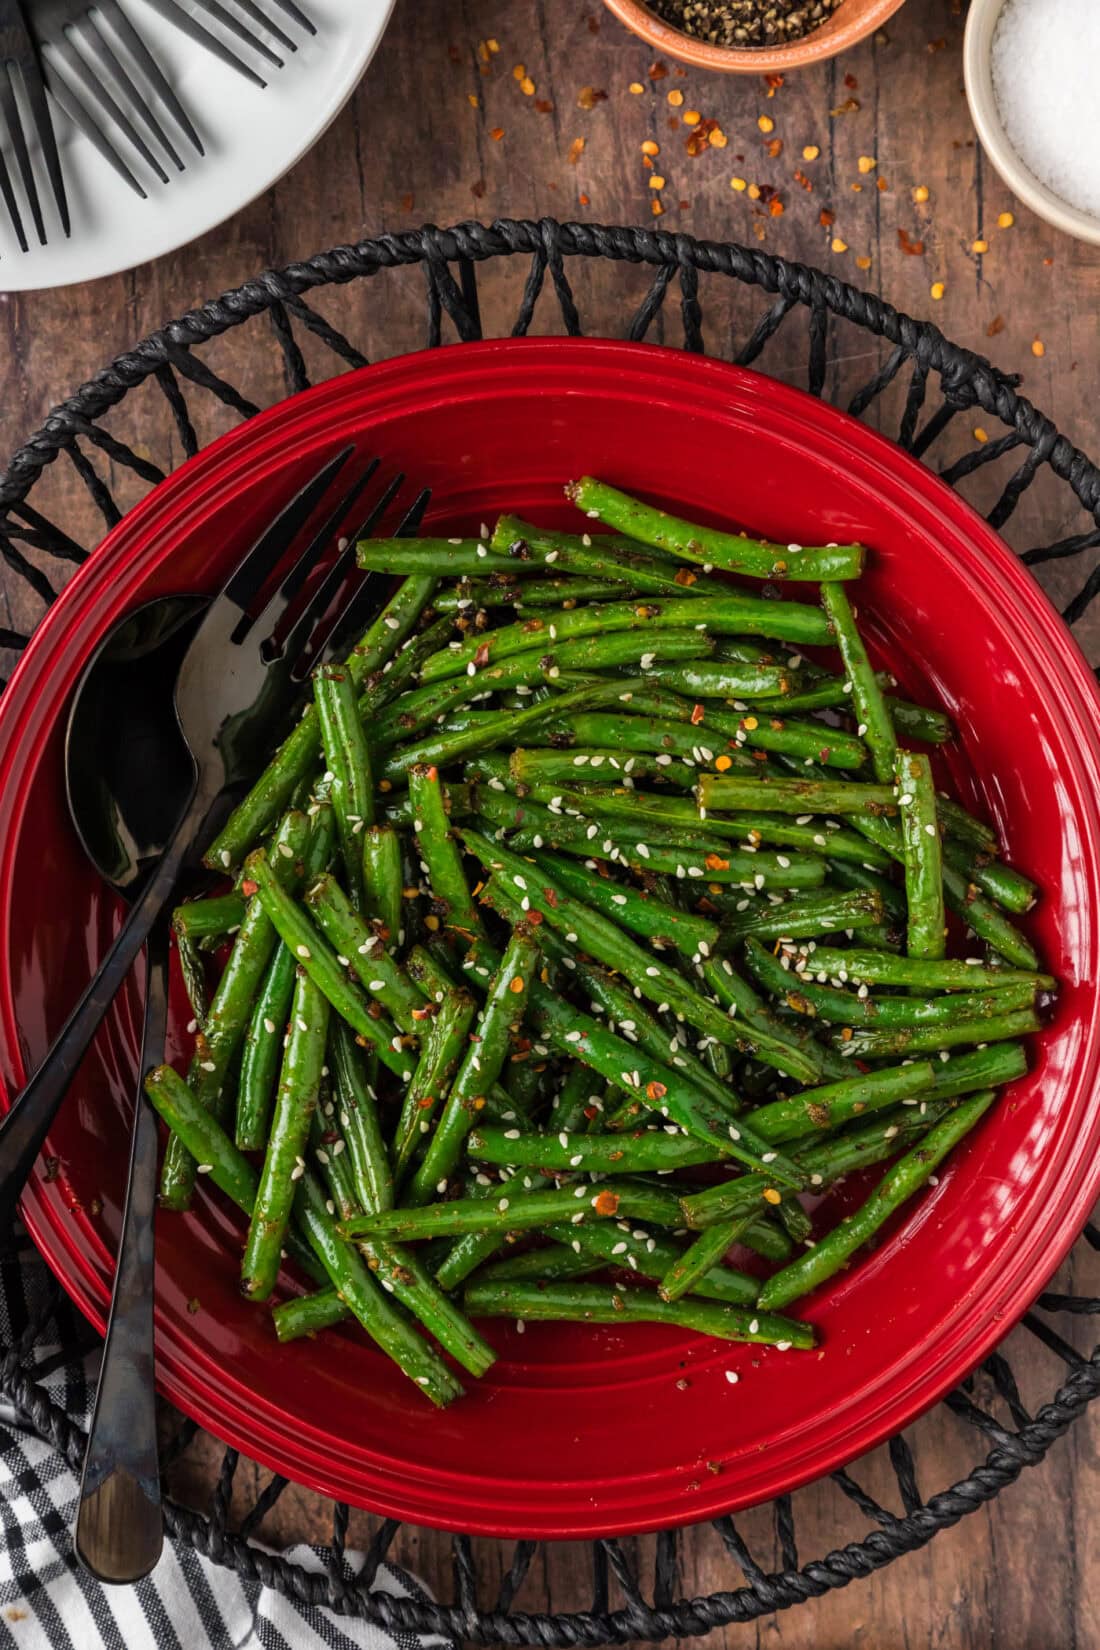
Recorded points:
(251, 137)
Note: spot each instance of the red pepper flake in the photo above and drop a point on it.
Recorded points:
(801, 178)
(477, 188)
(544, 106)
(424, 1013)
(589, 96)
(407, 202)
(851, 82)
(517, 985)
(584, 201)
(826, 218)
(773, 83)
(937, 45)
(697, 714)
(658, 71)
(551, 898)
(915, 249)
(606, 1203)
(850, 106)
(776, 208)
(995, 326)
(715, 862)
(774, 147)
(496, 133)
(481, 657)
(593, 24)
(455, 54)
(576, 150)
(655, 1091)
(248, 887)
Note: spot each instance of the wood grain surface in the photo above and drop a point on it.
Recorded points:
(441, 130)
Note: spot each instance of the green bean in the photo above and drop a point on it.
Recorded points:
(839, 1007)
(733, 552)
(440, 1054)
(295, 757)
(734, 613)
(402, 1273)
(348, 758)
(982, 1068)
(208, 1144)
(231, 1008)
(509, 996)
(193, 974)
(899, 1183)
(875, 1043)
(868, 704)
(827, 692)
(472, 1250)
(382, 881)
(864, 966)
(384, 1323)
(284, 1163)
(859, 877)
(571, 1105)
(441, 857)
(212, 918)
(601, 1303)
(359, 948)
(309, 946)
(498, 591)
(715, 862)
(920, 835)
(307, 1314)
(356, 1110)
(701, 1257)
(510, 1212)
(618, 1243)
(334, 1167)
(959, 823)
(551, 1264)
(645, 1151)
(262, 1054)
(604, 556)
(1008, 887)
(836, 1103)
(444, 558)
(806, 916)
(803, 1054)
(794, 796)
(653, 919)
(986, 921)
(726, 679)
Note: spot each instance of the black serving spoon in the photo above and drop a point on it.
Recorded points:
(128, 775)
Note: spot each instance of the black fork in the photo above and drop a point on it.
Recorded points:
(19, 63)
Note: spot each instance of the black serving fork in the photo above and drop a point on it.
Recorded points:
(105, 78)
(237, 682)
(19, 61)
(262, 33)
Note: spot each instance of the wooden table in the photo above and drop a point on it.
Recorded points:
(896, 197)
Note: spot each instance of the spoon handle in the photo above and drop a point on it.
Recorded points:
(119, 1531)
(23, 1131)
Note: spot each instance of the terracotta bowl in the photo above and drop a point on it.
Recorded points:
(852, 22)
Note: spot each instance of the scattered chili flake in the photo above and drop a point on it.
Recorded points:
(881, 184)
(921, 193)
(995, 326)
(493, 45)
(774, 146)
(1038, 347)
(481, 657)
(1048, 263)
(838, 245)
(576, 149)
(915, 249)
(658, 71)
(649, 147)
(455, 54)
(773, 83)
(754, 191)
(692, 117)
(937, 290)
(406, 203)
(675, 97)
(496, 133)
(685, 576)
(850, 106)
(647, 163)
(527, 86)
(766, 123)
(544, 106)
(846, 1034)
(717, 138)
(721, 763)
(863, 263)
(866, 163)
(697, 714)
(1006, 220)
(979, 246)
(606, 1203)
(980, 436)
(589, 96)
(655, 207)
(800, 177)
(810, 151)
(584, 201)
(938, 44)
(248, 887)
(740, 184)
(655, 1091)
(857, 189)
(826, 218)
(771, 1195)
(517, 984)
(431, 922)
(636, 87)
(850, 81)
(473, 100)
(477, 188)
(715, 862)
(519, 71)
(776, 208)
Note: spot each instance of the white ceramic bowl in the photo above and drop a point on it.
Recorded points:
(981, 25)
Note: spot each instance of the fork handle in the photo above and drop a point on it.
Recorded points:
(119, 1529)
(23, 1130)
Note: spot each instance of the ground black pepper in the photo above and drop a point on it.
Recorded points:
(745, 22)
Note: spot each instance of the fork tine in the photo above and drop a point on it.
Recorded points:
(251, 9)
(297, 638)
(352, 621)
(34, 89)
(89, 32)
(149, 67)
(101, 98)
(297, 14)
(251, 574)
(279, 604)
(71, 106)
(235, 26)
(8, 194)
(17, 137)
(194, 30)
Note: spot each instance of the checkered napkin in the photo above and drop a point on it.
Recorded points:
(48, 1602)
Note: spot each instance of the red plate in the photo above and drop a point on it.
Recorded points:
(582, 1431)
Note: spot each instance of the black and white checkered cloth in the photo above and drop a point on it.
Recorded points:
(49, 1602)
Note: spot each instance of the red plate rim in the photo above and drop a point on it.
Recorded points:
(241, 459)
